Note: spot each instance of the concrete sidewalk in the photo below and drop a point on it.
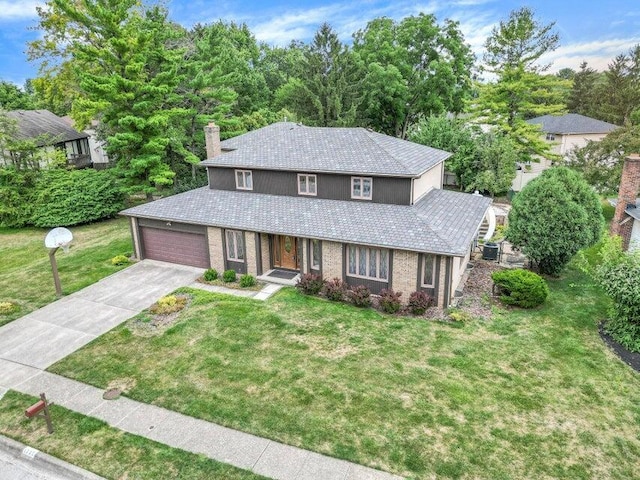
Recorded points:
(260, 455)
(34, 342)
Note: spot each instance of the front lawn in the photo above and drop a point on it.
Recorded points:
(25, 271)
(527, 394)
(95, 446)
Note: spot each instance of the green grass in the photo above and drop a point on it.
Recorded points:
(25, 270)
(93, 445)
(527, 394)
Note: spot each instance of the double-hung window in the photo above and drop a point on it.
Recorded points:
(361, 188)
(244, 181)
(551, 137)
(368, 262)
(428, 270)
(307, 184)
(235, 246)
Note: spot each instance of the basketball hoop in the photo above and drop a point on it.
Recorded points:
(57, 238)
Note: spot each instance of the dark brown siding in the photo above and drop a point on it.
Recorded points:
(180, 247)
(330, 186)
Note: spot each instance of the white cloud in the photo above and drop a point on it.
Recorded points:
(598, 54)
(12, 10)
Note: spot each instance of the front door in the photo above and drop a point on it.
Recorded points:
(285, 252)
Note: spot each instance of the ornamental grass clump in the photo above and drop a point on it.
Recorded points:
(7, 307)
(168, 304)
(519, 287)
(120, 260)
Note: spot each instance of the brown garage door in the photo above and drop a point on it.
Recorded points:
(175, 247)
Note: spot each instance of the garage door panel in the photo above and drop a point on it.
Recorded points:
(175, 247)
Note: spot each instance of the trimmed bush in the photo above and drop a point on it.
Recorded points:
(7, 307)
(310, 284)
(335, 290)
(71, 197)
(360, 296)
(520, 287)
(169, 304)
(229, 276)
(210, 275)
(419, 301)
(390, 301)
(119, 260)
(247, 281)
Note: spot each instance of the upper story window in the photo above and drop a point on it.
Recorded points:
(235, 245)
(307, 184)
(551, 137)
(428, 270)
(244, 181)
(361, 187)
(368, 262)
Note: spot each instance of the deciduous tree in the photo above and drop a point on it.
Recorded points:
(412, 68)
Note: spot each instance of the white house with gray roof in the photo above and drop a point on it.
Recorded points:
(565, 133)
(339, 202)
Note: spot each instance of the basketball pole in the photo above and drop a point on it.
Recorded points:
(54, 268)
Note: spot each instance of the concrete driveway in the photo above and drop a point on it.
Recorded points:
(49, 334)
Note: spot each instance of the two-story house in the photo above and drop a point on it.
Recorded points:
(341, 202)
(565, 133)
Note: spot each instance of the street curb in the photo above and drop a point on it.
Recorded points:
(41, 459)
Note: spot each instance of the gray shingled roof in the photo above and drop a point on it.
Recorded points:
(443, 222)
(34, 123)
(289, 146)
(571, 123)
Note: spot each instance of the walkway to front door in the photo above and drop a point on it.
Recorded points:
(285, 252)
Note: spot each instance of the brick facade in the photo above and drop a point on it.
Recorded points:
(216, 250)
(622, 224)
(331, 260)
(405, 273)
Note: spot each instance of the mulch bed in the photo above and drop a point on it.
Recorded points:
(630, 358)
(477, 297)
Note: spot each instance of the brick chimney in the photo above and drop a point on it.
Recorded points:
(212, 140)
(627, 194)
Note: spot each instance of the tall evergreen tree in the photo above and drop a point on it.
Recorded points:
(513, 52)
(583, 98)
(325, 95)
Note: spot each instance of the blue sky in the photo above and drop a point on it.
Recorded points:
(595, 31)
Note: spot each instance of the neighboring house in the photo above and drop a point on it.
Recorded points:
(340, 202)
(626, 220)
(50, 131)
(99, 157)
(565, 132)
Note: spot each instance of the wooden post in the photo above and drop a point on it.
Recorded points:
(54, 268)
(47, 416)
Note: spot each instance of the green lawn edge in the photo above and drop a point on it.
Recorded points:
(93, 445)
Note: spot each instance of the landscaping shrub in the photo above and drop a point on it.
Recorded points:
(419, 301)
(120, 260)
(310, 284)
(360, 296)
(335, 290)
(169, 304)
(210, 275)
(7, 307)
(71, 197)
(229, 276)
(16, 192)
(519, 287)
(247, 281)
(390, 301)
